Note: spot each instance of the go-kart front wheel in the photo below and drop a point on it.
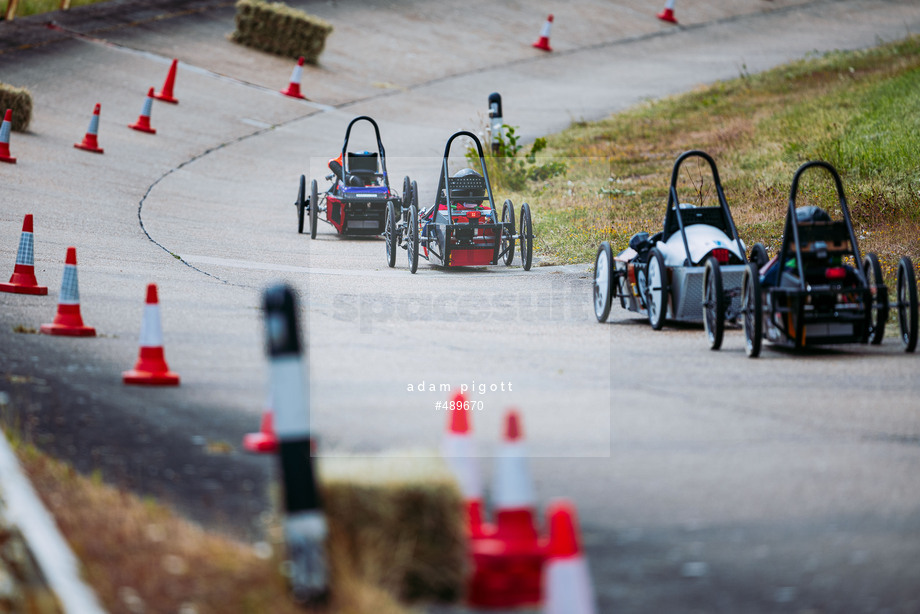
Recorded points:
(759, 255)
(507, 246)
(391, 234)
(713, 303)
(301, 204)
(526, 237)
(314, 209)
(407, 192)
(878, 310)
(603, 282)
(752, 310)
(413, 238)
(907, 304)
(656, 290)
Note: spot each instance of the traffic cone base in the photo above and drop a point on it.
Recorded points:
(68, 323)
(23, 282)
(503, 578)
(667, 15)
(151, 369)
(266, 440)
(166, 94)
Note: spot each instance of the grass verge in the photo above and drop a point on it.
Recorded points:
(37, 7)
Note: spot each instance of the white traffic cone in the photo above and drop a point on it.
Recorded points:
(567, 587)
(459, 451)
(151, 368)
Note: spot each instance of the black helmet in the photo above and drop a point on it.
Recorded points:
(470, 189)
(809, 214)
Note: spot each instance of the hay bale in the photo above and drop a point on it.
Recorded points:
(398, 522)
(280, 29)
(20, 100)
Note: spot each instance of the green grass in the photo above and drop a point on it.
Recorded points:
(37, 7)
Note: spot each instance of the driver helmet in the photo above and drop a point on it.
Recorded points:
(811, 213)
(471, 197)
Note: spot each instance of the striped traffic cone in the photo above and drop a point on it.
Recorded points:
(667, 14)
(166, 94)
(143, 122)
(543, 41)
(512, 491)
(151, 368)
(68, 321)
(90, 140)
(5, 130)
(458, 450)
(23, 280)
(265, 441)
(293, 88)
(567, 587)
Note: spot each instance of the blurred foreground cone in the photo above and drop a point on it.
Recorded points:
(293, 88)
(512, 489)
(143, 122)
(667, 14)
(68, 321)
(567, 587)
(23, 280)
(266, 440)
(543, 41)
(5, 128)
(459, 451)
(166, 94)
(91, 141)
(151, 368)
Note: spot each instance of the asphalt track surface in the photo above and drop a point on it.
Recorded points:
(704, 481)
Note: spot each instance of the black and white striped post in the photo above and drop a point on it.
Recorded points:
(305, 527)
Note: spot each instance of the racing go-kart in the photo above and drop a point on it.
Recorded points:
(690, 271)
(814, 292)
(462, 227)
(356, 201)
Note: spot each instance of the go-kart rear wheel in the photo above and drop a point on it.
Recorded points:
(603, 282)
(752, 310)
(301, 204)
(413, 238)
(526, 237)
(314, 209)
(878, 310)
(759, 255)
(414, 200)
(391, 234)
(406, 192)
(907, 304)
(657, 290)
(507, 246)
(713, 303)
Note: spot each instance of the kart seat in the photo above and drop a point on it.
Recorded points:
(467, 189)
(362, 168)
(689, 215)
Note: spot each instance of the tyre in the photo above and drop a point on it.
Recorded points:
(907, 304)
(752, 310)
(603, 282)
(713, 303)
(526, 237)
(414, 200)
(878, 310)
(301, 204)
(390, 235)
(657, 290)
(314, 209)
(759, 255)
(507, 246)
(406, 192)
(413, 238)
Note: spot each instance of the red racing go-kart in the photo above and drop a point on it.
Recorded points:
(356, 201)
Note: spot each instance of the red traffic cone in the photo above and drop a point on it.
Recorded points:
(143, 122)
(166, 94)
(567, 587)
(5, 130)
(23, 280)
(90, 141)
(543, 41)
(68, 321)
(266, 440)
(667, 14)
(293, 88)
(151, 368)
(512, 491)
(458, 450)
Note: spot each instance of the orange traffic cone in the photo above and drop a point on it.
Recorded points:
(567, 585)
(23, 280)
(667, 14)
(458, 450)
(143, 122)
(90, 140)
(512, 491)
(166, 94)
(151, 368)
(266, 440)
(543, 41)
(293, 88)
(68, 321)
(5, 130)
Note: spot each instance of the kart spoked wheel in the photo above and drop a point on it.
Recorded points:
(406, 192)
(878, 310)
(526, 237)
(314, 209)
(301, 204)
(752, 310)
(713, 303)
(603, 282)
(759, 255)
(657, 290)
(414, 200)
(907, 304)
(413, 238)
(391, 235)
(507, 246)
